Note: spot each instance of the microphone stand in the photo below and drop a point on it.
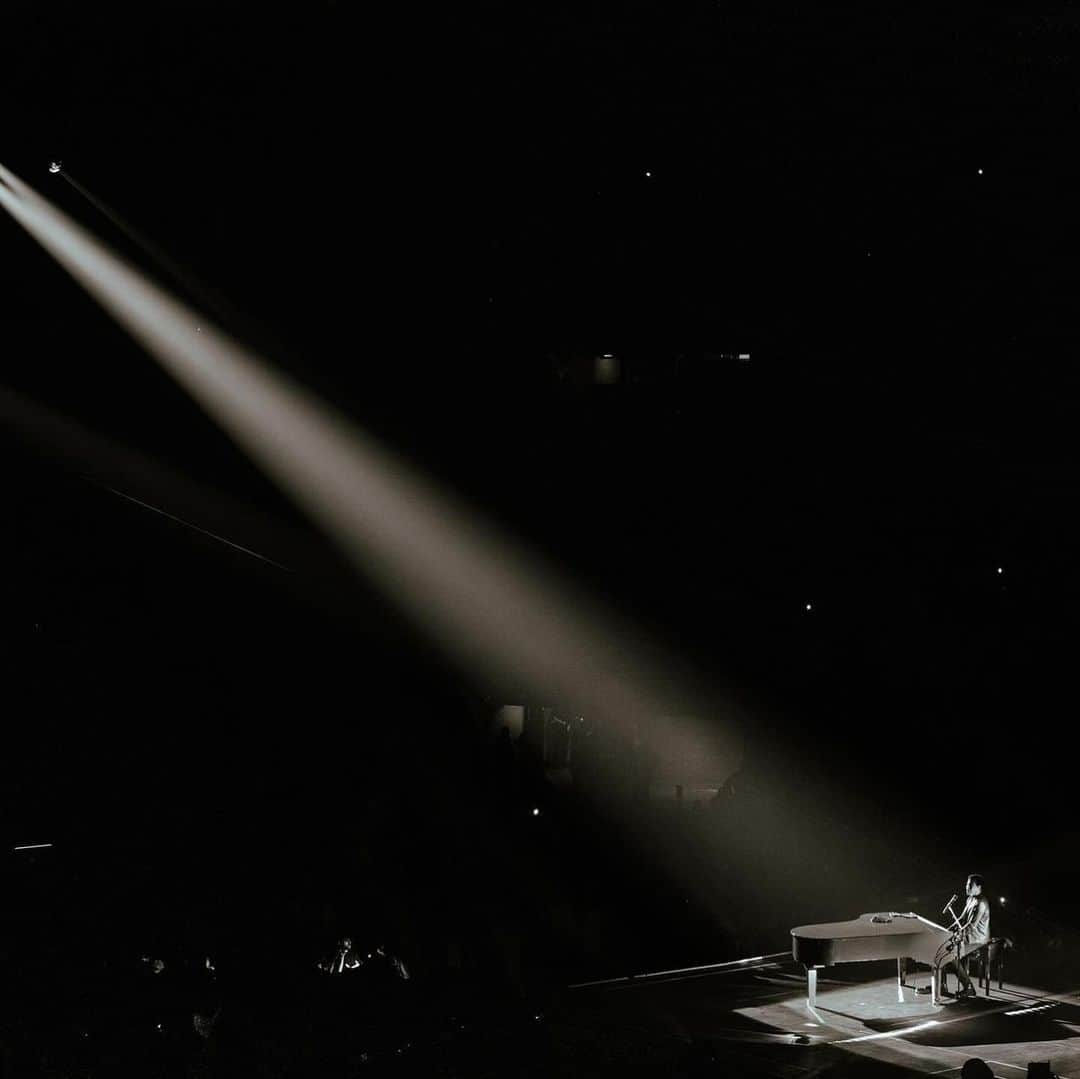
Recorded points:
(948, 907)
(954, 929)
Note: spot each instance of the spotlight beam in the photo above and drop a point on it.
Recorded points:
(195, 289)
(485, 601)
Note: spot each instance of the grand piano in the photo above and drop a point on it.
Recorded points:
(867, 938)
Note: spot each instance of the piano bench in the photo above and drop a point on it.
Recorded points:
(993, 951)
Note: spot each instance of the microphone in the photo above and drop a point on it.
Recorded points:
(945, 909)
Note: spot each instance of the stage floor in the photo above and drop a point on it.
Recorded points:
(759, 1021)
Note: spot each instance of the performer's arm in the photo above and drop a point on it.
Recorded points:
(956, 922)
(967, 917)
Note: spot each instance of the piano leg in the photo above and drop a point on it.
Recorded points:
(900, 980)
(935, 984)
(811, 986)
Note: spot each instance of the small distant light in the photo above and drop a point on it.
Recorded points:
(1000, 570)
(980, 171)
(647, 174)
(606, 369)
(1003, 901)
(536, 812)
(809, 606)
(744, 355)
(54, 167)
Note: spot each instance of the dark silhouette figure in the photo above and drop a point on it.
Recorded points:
(345, 958)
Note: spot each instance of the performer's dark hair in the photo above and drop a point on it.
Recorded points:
(976, 878)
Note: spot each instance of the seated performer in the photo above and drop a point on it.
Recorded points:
(972, 931)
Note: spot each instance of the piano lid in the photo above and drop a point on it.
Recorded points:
(874, 924)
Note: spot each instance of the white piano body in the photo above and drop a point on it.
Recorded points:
(868, 938)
